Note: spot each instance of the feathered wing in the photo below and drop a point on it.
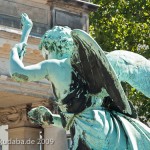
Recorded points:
(131, 68)
(91, 63)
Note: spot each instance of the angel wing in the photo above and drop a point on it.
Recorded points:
(91, 63)
(131, 68)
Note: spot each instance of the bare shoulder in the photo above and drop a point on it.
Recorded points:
(56, 64)
(57, 68)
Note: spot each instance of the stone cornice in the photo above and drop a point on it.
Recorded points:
(36, 89)
(83, 4)
(40, 1)
(14, 93)
(87, 5)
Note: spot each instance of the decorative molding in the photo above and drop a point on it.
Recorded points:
(47, 103)
(13, 115)
(40, 1)
(36, 89)
(84, 5)
(16, 116)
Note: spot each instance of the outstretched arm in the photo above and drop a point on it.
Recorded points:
(26, 29)
(17, 69)
(23, 74)
(33, 72)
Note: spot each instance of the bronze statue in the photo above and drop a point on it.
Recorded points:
(86, 83)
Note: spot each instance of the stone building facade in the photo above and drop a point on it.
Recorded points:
(16, 99)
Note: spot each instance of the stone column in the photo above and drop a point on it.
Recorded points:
(24, 138)
(22, 135)
(55, 137)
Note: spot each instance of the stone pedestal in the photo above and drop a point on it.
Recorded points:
(24, 138)
(56, 137)
(22, 135)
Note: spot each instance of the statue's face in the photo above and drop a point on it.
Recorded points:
(40, 116)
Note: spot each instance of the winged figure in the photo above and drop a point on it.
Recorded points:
(86, 83)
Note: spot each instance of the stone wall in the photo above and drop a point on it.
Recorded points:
(10, 12)
(46, 13)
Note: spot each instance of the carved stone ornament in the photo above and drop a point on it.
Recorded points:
(13, 115)
(16, 116)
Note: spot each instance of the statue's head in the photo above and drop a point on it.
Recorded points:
(57, 43)
(40, 116)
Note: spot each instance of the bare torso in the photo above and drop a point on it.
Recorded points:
(60, 77)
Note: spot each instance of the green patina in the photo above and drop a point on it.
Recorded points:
(20, 77)
(41, 116)
(98, 127)
(58, 40)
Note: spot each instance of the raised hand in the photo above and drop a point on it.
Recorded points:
(26, 21)
(21, 49)
(26, 29)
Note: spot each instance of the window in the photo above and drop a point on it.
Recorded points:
(72, 20)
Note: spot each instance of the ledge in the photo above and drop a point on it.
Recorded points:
(15, 34)
(14, 93)
(88, 5)
(40, 1)
(83, 4)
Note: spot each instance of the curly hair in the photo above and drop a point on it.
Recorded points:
(58, 40)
